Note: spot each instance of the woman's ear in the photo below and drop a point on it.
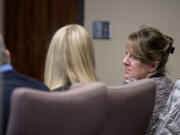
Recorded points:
(154, 67)
(8, 55)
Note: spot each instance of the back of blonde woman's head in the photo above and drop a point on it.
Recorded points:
(70, 58)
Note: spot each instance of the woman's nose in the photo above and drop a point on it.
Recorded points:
(126, 60)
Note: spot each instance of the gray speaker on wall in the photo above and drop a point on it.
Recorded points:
(101, 30)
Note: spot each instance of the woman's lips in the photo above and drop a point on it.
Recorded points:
(126, 70)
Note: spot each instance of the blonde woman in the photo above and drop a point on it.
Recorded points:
(70, 58)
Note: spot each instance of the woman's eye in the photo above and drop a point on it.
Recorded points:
(134, 57)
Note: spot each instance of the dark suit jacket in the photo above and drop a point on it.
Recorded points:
(11, 80)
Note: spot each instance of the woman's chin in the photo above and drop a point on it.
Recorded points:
(126, 76)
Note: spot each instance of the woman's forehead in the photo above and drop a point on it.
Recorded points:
(129, 46)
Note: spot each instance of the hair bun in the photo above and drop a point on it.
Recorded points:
(170, 43)
(171, 49)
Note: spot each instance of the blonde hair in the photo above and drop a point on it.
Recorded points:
(70, 58)
(150, 45)
(3, 57)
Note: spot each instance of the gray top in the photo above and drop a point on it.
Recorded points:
(169, 123)
(163, 89)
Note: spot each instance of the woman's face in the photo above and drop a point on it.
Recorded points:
(134, 68)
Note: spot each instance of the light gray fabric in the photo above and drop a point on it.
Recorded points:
(169, 123)
(163, 89)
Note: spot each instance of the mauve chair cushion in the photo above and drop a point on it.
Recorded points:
(80, 111)
(130, 108)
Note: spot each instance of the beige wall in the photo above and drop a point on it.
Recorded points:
(126, 16)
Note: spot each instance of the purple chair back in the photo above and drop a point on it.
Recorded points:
(85, 109)
(129, 108)
(79, 111)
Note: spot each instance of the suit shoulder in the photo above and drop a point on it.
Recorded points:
(22, 80)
